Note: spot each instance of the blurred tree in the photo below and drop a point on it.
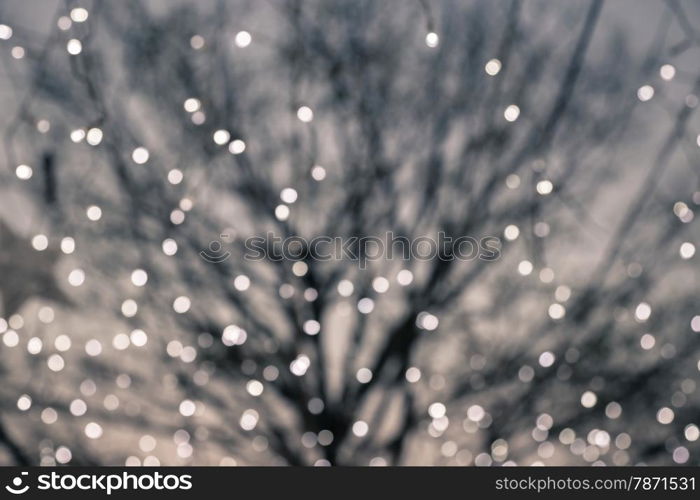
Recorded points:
(158, 141)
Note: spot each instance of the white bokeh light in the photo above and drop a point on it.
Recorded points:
(94, 213)
(139, 277)
(140, 155)
(93, 430)
(305, 114)
(492, 67)
(181, 304)
(243, 39)
(236, 147)
(360, 428)
(221, 137)
(76, 277)
(79, 14)
(645, 93)
(511, 113)
(432, 40)
(24, 172)
(40, 242)
(74, 46)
